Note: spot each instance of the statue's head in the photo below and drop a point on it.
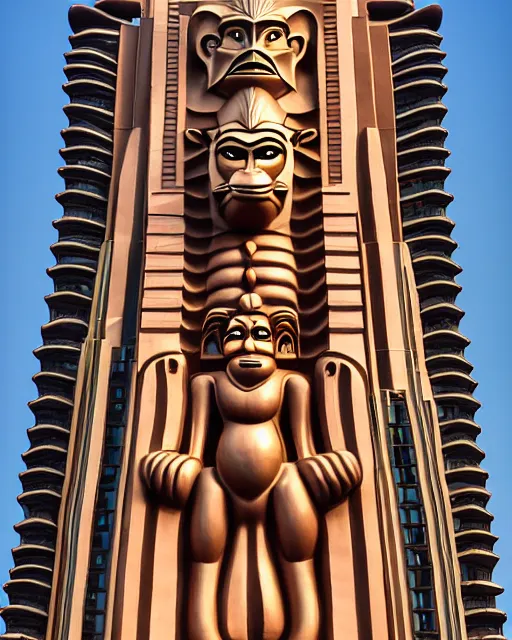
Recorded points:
(250, 338)
(251, 162)
(250, 43)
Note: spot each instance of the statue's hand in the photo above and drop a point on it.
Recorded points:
(170, 475)
(330, 477)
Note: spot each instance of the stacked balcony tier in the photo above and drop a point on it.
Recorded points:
(91, 72)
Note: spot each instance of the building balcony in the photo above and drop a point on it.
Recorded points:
(81, 17)
(470, 427)
(427, 136)
(481, 587)
(94, 156)
(453, 378)
(477, 536)
(478, 495)
(433, 242)
(473, 512)
(432, 309)
(479, 557)
(468, 475)
(463, 448)
(77, 135)
(448, 362)
(446, 337)
(33, 554)
(87, 68)
(436, 264)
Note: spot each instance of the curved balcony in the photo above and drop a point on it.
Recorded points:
(48, 434)
(73, 329)
(28, 590)
(448, 362)
(473, 512)
(37, 456)
(30, 619)
(476, 494)
(432, 242)
(424, 69)
(124, 9)
(79, 135)
(106, 40)
(479, 557)
(427, 136)
(27, 553)
(86, 69)
(445, 337)
(432, 224)
(81, 16)
(461, 399)
(432, 310)
(97, 157)
(481, 587)
(41, 477)
(417, 56)
(478, 536)
(388, 9)
(484, 617)
(468, 474)
(464, 449)
(36, 571)
(436, 264)
(453, 378)
(455, 425)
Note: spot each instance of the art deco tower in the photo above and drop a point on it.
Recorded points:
(254, 415)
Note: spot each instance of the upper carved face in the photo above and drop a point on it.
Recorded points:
(245, 52)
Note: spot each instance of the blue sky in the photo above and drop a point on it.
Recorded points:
(477, 39)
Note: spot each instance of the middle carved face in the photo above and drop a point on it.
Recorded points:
(246, 52)
(250, 163)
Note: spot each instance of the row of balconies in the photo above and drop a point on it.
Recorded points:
(418, 75)
(91, 69)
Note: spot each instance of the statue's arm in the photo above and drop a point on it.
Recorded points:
(201, 390)
(329, 476)
(170, 474)
(298, 396)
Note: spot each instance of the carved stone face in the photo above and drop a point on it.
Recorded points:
(245, 51)
(251, 162)
(249, 344)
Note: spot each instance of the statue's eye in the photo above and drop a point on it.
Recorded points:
(237, 35)
(233, 153)
(267, 153)
(261, 333)
(273, 36)
(234, 334)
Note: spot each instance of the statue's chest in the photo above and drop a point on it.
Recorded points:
(249, 406)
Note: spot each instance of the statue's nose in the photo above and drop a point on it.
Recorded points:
(249, 345)
(250, 177)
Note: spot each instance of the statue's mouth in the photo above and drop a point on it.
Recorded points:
(248, 363)
(253, 68)
(252, 63)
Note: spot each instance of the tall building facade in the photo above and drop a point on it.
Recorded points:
(254, 415)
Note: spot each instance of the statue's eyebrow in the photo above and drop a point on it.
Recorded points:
(247, 143)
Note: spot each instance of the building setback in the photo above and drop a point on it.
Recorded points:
(254, 418)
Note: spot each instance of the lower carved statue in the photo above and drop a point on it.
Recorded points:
(255, 503)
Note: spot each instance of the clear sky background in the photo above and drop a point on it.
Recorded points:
(478, 38)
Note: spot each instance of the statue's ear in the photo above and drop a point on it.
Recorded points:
(304, 137)
(198, 137)
(297, 42)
